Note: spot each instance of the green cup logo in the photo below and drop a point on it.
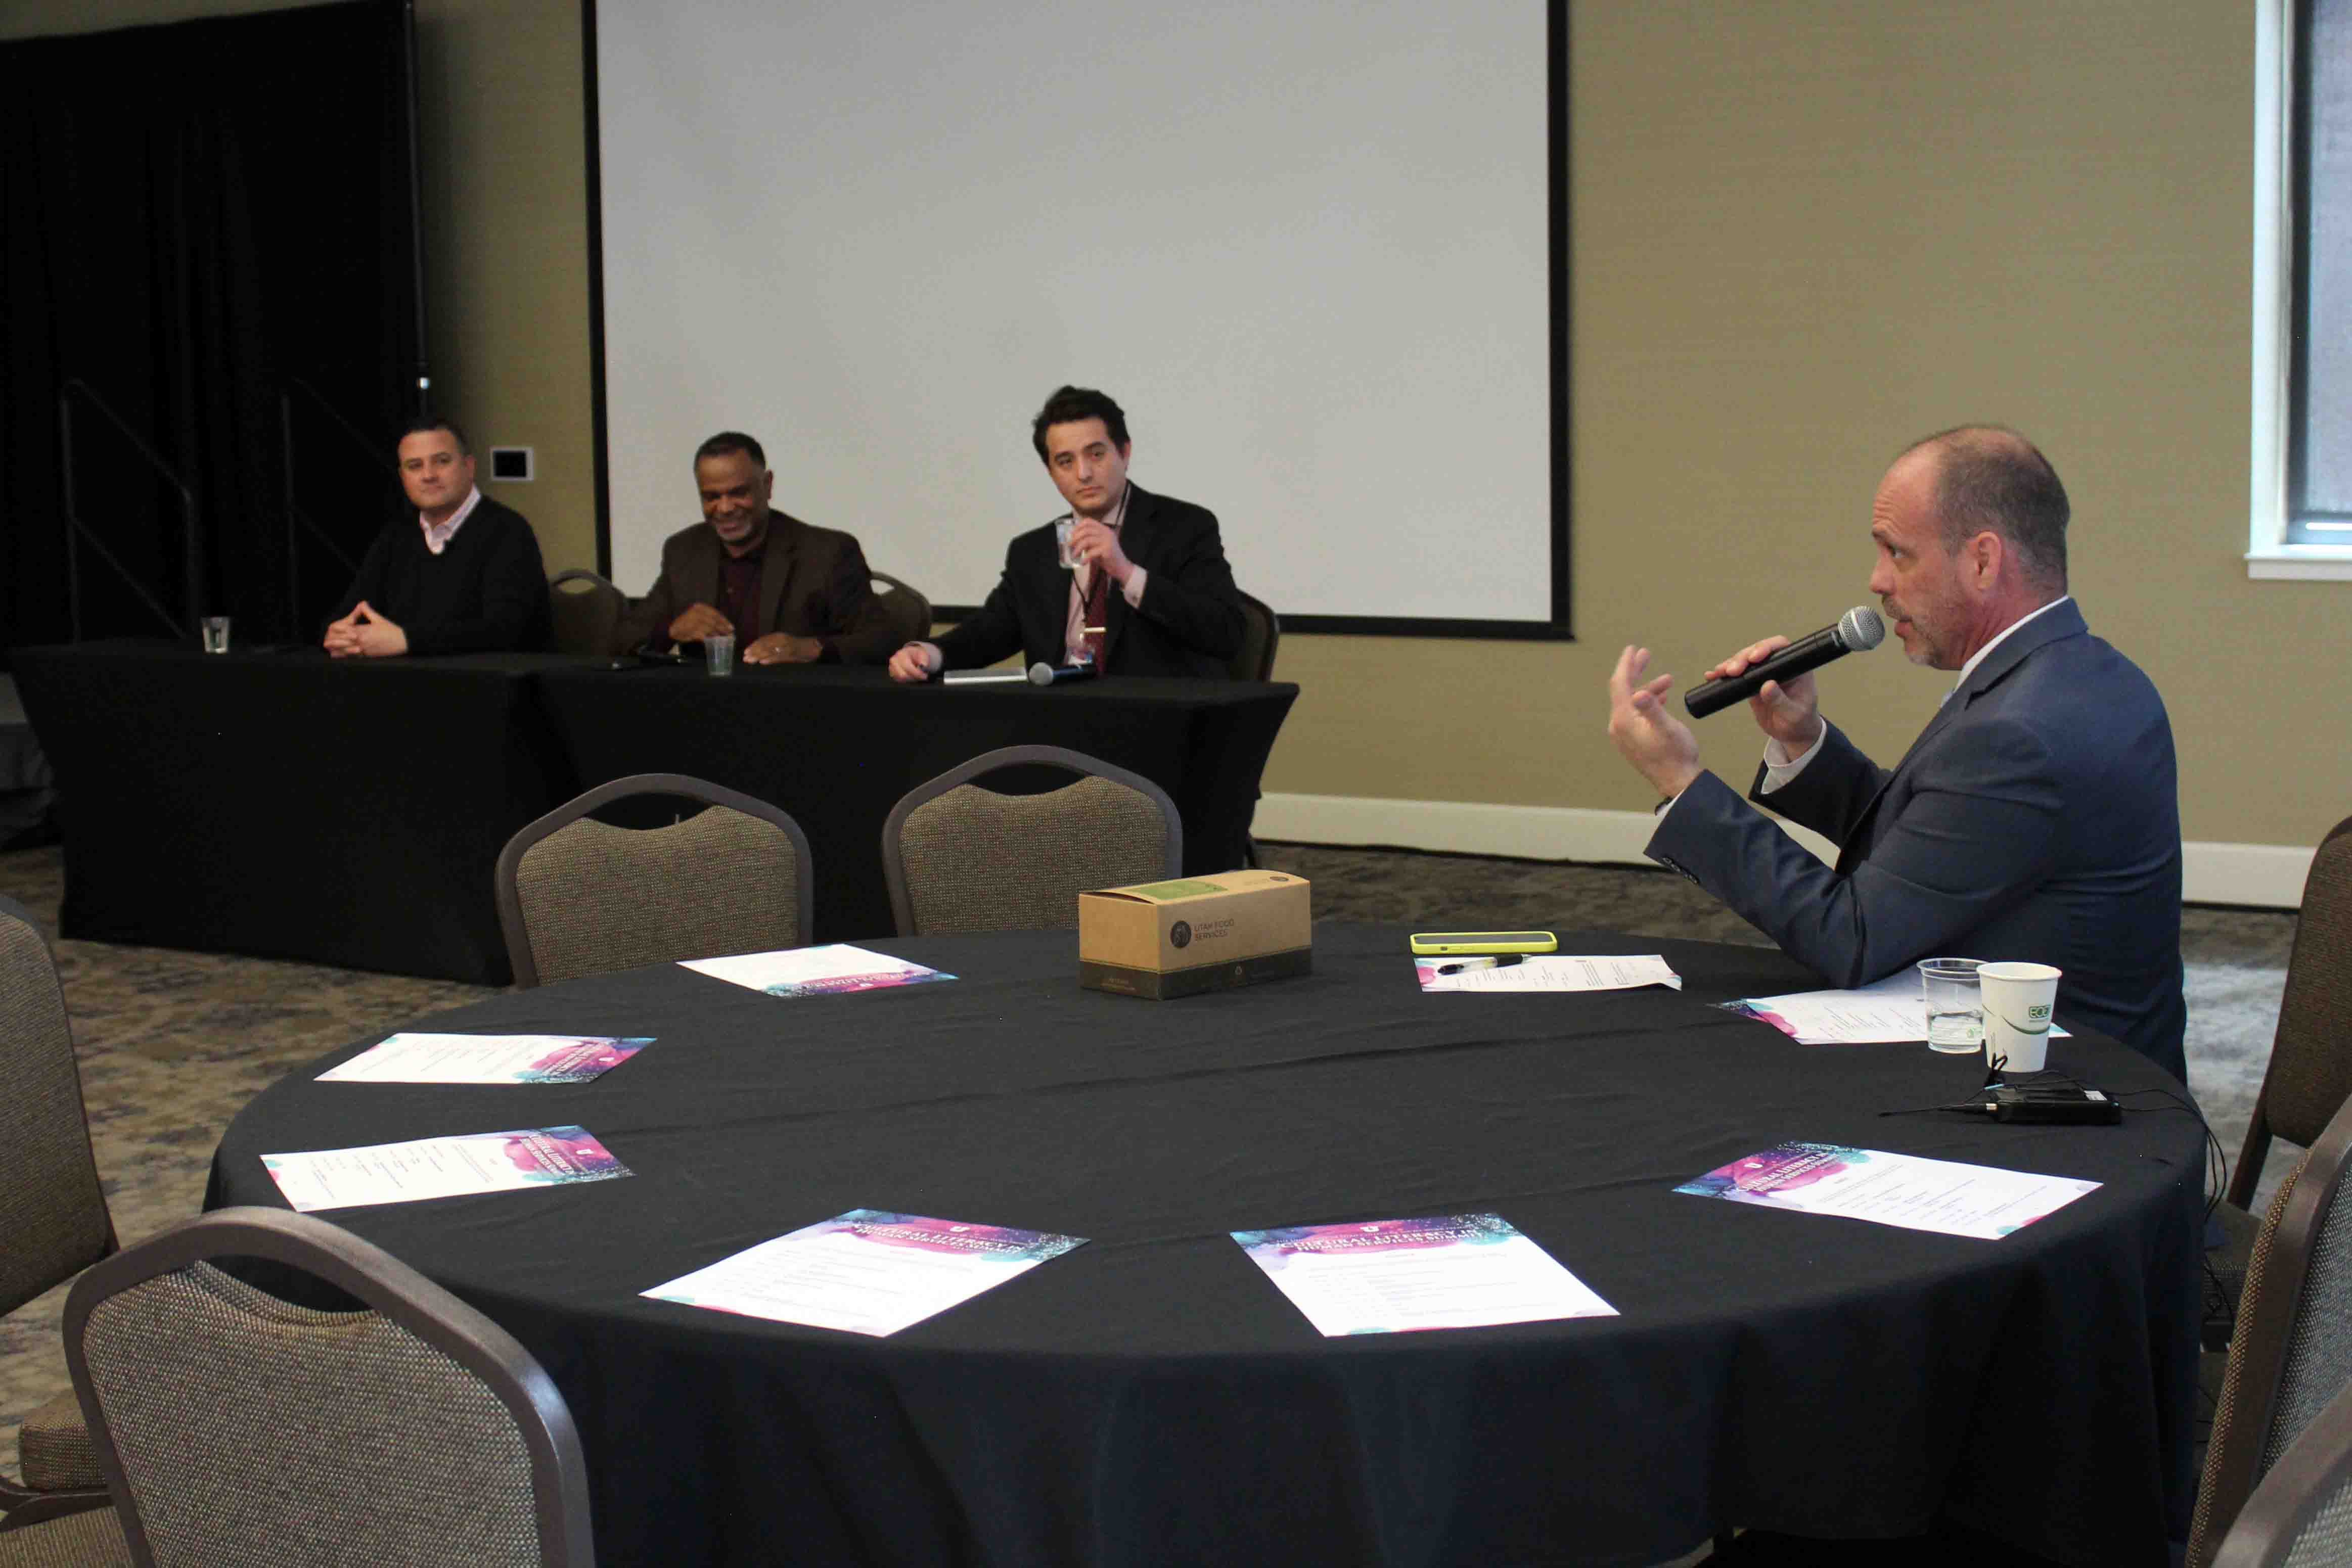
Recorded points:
(2038, 1013)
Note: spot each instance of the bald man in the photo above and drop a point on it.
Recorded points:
(2036, 817)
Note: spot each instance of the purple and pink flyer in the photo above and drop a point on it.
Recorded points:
(1985, 1202)
(1434, 1272)
(869, 1271)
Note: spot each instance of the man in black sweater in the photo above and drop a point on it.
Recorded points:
(464, 578)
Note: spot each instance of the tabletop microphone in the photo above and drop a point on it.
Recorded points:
(1042, 674)
(1859, 628)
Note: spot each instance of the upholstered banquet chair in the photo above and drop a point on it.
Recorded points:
(587, 610)
(1261, 636)
(235, 1428)
(910, 613)
(2302, 1514)
(2310, 1072)
(577, 896)
(2291, 1355)
(960, 857)
(53, 1216)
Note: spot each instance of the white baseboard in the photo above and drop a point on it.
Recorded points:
(2268, 876)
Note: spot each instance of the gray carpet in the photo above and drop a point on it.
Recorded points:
(172, 1044)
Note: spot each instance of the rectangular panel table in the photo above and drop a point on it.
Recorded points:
(838, 747)
(351, 812)
(289, 806)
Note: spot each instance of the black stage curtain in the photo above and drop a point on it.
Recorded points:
(193, 219)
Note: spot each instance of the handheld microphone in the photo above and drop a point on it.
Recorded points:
(1858, 628)
(1042, 674)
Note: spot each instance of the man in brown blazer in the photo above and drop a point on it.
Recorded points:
(791, 592)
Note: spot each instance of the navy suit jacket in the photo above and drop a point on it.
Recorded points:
(2036, 818)
(1189, 622)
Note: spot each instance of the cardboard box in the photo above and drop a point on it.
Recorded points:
(1164, 939)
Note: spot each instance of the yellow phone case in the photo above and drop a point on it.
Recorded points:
(1435, 943)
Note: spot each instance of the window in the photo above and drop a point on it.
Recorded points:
(2319, 388)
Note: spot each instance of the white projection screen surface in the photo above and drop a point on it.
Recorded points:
(1306, 246)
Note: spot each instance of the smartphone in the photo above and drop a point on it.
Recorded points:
(1485, 942)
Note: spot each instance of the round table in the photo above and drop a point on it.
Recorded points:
(1151, 1399)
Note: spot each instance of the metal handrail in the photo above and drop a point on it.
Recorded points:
(295, 515)
(76, 529)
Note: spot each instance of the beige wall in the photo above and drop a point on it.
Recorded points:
(1803, 234)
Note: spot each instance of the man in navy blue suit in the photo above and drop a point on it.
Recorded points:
(2036, 817)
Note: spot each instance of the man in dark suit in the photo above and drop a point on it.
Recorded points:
(789, 591)
(1150, 592)
(2036, 818)
(463, 578)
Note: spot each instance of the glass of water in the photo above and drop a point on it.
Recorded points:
(1955, 1004)
(215, 633)
(1061, 550)
(719, 653)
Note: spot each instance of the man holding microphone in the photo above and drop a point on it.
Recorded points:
(2035, 817)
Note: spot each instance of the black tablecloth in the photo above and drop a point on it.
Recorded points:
(351, 811)
(1151, 1399)
(290, 806)
(837, 748)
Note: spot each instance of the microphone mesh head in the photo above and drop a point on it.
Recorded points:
(1860, 628)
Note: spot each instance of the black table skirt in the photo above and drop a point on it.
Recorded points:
(837, 748)
(342, 811)
(351, 811)
(1151, 1399)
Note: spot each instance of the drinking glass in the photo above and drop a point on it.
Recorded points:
(1955, 1019)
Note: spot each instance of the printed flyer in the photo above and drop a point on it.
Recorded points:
(815, 971)
(1942, 1196)
(1438, 1271)
(868, 1272)
(1547, 972)
(441, 1167)
(487, 1059)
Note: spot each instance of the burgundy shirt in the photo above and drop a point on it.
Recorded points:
(739, 591)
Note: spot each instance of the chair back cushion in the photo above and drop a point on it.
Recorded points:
(2311, 1061)
(597, 898)
(53, 1219)
(979, 861)
(252, 1431)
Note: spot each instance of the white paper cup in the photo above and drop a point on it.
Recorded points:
(2018, 999)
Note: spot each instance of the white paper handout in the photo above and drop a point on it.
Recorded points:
(487, 1059)
(1907, 1190)
(1440, 1271)
(1894, 1010)
(441, 1167)
(1547, 972)
(868, 1272)
(815, 971)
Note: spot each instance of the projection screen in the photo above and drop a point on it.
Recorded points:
(1310, 246)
